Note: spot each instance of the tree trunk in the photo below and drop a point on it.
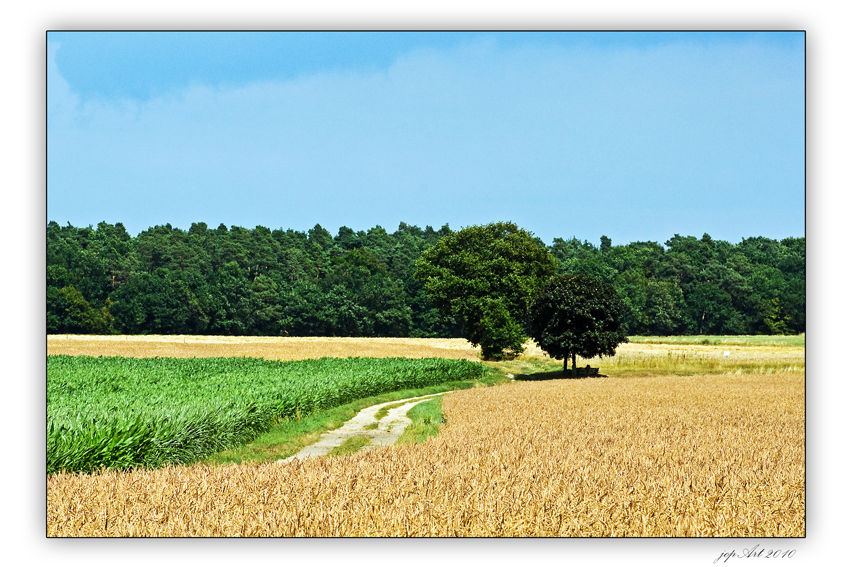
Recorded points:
(566, 363)
(574, 365)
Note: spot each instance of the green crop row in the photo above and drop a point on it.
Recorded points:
(119, 412)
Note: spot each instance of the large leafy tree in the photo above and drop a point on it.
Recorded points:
(577, 315)
(486, 277)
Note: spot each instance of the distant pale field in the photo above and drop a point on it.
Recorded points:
(629, 356)
(708, 455)
(774, 340)
(271, 348)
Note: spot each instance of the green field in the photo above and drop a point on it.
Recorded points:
(731, 340)
(119, 412)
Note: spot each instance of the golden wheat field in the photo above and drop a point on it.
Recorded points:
(707, 455)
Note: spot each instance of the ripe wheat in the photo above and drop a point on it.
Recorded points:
(714, 455)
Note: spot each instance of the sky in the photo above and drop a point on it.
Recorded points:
(635, 136)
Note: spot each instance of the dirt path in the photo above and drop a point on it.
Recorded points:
(389, 428)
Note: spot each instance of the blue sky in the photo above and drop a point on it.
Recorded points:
(636, 136)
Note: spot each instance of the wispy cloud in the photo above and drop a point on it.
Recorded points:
(60, 99)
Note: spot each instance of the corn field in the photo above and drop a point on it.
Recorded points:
(124, 412)
(708, 455)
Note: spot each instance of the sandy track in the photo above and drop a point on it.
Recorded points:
(389, 428)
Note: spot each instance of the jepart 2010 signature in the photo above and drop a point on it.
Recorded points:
(756, 552)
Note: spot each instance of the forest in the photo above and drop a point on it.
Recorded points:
(238, 281)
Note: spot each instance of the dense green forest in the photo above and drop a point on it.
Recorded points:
(237, 281)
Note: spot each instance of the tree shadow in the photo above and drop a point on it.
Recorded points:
(554, 375)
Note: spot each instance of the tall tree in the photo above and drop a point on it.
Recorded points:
(487, 276)
(577, 316)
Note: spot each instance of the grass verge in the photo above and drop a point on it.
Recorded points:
(289, 436)
(427, 418)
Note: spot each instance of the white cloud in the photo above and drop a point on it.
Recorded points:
(60, 99)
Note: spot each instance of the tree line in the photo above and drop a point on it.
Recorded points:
(238, 281)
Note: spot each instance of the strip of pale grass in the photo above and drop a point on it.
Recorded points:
(681, 359)
(725, 340)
